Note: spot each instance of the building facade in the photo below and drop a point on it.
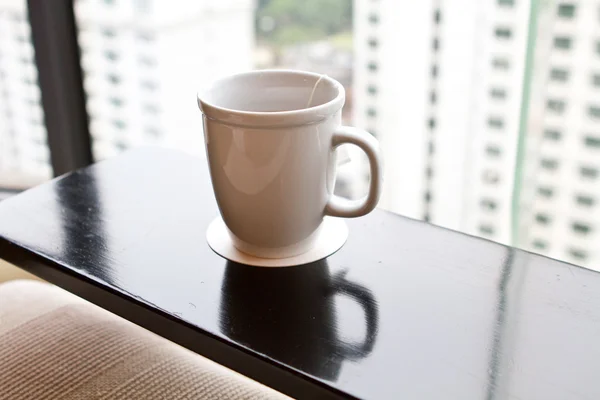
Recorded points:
(144, 62)
(560, 187)
(488, 114)
(24, 155)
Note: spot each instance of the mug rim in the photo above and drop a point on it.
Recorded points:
(301, 116)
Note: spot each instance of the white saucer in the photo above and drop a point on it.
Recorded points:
(332, 236)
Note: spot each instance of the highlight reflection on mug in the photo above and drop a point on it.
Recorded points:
(289, 314)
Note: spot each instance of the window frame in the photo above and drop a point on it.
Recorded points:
(58, 60)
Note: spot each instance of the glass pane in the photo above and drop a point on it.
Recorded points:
(473, 123)
(144, 61)
(24, 155)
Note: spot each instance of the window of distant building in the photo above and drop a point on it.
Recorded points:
(555, 105)
(588, 172)
(563, 42)
(503, 33)
(500, 63)
(552, 134)
(559, 74)
(545, 191)
(566, 10)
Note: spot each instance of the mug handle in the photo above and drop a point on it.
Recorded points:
(340, 207)
(364, 297)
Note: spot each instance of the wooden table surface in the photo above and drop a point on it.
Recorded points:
(405, 310)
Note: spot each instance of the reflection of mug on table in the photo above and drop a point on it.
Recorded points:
(270, 140)
(289, 314)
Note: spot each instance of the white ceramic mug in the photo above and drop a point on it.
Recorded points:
(272, 160)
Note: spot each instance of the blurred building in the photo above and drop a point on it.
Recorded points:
(144, 61)
(488, 114)
(24, 155)
(560, 190)
(321, 56)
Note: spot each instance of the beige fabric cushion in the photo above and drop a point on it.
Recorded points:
(54, 345)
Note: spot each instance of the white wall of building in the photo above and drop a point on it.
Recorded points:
(24, 155)
(402, 59)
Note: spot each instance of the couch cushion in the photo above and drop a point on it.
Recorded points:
(54, 345)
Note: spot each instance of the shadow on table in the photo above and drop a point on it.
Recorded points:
(289, 314)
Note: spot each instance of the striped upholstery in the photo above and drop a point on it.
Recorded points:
(54, 345)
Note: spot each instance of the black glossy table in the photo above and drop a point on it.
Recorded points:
(405, 310)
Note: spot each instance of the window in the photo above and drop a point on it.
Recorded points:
(486, 229)
(427, 197)
(498, 93)
(111, 55)
(581, 228)
(115, 101)
(114, 79)
(592, 141)
(555, 105)
(120, 145)
(488, 204)
(495, 122)
(490, 176)
(539, 244)
(559, 74)
(500, 63)
(588, 172)
(429, 172)
(109, 33)
(562, 42)
(431, 147)
(552, 134)
(594, 111)
(543, 219)
(119, 124)
(493, 151)
(578, 254)
(125, 80)
(545, 191)
(549, 164)
(503, 33)
(585, 200)
(566, 10)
